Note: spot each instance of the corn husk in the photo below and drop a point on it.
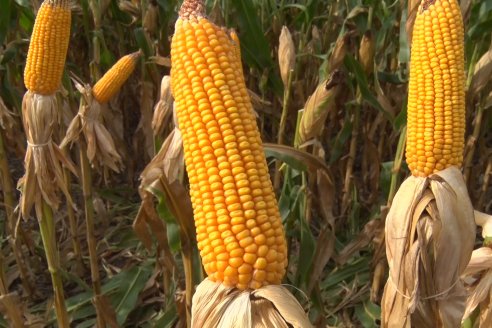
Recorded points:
(168, 162)
(218, 306)
(44, 160)
(286, 54)
(317, 107)
(164, 108)
(101, 150)
(339, 52)
(478, 276)
(366, 52)
(430, 233)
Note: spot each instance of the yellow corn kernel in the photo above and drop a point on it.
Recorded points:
(48, 47)
(224, 157)
(111, 82)
(436, 96)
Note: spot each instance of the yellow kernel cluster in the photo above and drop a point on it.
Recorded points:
(436, 97)
(113, 80)
(239, 229)
(48, 47)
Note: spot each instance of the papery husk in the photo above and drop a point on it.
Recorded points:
(164, 108)
(44, 161)
(218, 306)
(478, 278)
(317, 107)
(430, 233)
(286, 54)
(101, 149)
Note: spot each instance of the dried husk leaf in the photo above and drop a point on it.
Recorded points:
(339, 52)
(317, 107)
(101, 149)
(44, 160)
(216, 305)
(286, 54)
(485, 221)
(164, 108)
(151, 18)
(168, 162)
(430, 233)
(478, 276)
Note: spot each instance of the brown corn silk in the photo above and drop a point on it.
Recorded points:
(430, 228)
(239, 231)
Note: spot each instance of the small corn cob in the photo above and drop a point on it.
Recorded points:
(239, 230)
(436, 97)
(111, 82)
(48, 47)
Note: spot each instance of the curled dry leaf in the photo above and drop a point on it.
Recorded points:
(216, 305)
(101, 149)
(44, 160)
(430, 232)
(318, 106)
(286, 54)
(164, 108)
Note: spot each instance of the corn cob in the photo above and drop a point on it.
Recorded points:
(111, 82)
(436, 98)
(239, 230)
(48, 47)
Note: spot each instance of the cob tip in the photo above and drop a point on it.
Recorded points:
(425, 4)
(192, 8)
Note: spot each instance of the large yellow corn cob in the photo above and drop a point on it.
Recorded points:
(436, 98)
(239, 230)
(112, 81)
(48, 47)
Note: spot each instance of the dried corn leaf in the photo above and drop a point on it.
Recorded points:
(168, 162)
(44, 160)
(164, 108)
(216, 305)
(101, 150)
(430, 232)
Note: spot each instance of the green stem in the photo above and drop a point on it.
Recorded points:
(283, 123)
(47, 229)
(72, 221)
(89, 221)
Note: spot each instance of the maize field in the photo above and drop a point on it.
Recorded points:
(253, 163)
